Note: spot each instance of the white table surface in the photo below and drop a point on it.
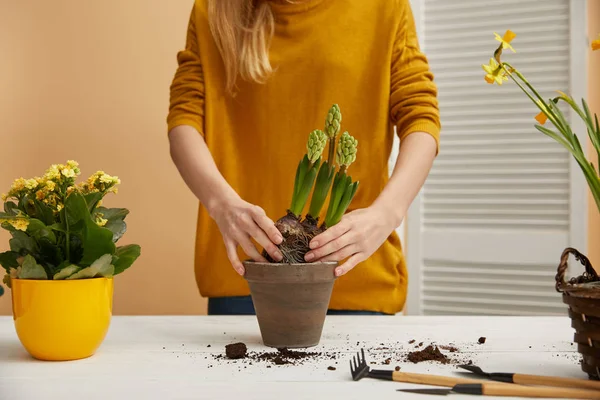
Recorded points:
(168, 358)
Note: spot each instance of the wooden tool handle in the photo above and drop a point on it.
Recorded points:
(556, 381)
(494, 389)
(435, 380)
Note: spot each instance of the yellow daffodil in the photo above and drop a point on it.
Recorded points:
(506, 39)
(494, 73)
(541, 118)
(596, 44)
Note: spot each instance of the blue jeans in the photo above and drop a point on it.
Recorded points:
(242, 305)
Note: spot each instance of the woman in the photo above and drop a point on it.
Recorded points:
(255, 77)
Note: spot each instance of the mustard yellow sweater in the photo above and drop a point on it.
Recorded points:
(362, 55)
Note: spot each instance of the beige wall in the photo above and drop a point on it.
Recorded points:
(594, 103)
(89, 80)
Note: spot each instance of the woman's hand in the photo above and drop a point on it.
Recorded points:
(239, 222)
(356, 237)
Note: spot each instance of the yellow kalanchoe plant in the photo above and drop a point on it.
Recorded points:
(59, 229)
(498, 71)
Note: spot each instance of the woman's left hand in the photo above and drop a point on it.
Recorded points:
(355, 238)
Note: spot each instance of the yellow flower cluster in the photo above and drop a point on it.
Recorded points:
(100, 182)
(99, 220)
(20, 224)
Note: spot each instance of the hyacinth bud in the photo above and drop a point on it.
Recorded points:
(346, 150)
(333, 121)
(316, 144)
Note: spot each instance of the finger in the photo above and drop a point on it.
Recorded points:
(249, 248)
(262, 239)
(341, 254)
(349, 264)
(330, 247)
(231, 248)
(267, 225)
(330, 234)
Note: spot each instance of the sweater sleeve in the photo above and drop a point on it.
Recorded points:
(186, 106)
(413, 96)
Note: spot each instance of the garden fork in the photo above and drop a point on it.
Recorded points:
(360, 369)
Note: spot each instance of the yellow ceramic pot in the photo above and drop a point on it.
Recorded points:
(62, 320)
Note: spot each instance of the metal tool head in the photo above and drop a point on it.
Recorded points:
(474, 369)
(433, 391)
(359, 368)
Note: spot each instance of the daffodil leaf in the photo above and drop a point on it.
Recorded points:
(30, 269)
(100, 267)
(125, 256)
(8, 260)
(115, 220)
(11, 208)
(22, 243)
(66, 272)
(95, 240)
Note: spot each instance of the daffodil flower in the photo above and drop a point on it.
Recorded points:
(506, 39)
(596, 44)
(494, 73)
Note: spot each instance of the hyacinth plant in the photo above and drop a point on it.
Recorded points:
(498, 71)
(322, 178)
(61, 231)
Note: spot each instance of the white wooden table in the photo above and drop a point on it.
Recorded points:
(168, 358)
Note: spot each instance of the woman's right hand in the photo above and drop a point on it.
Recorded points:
(239, 222)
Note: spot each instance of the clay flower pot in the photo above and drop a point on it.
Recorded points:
(291, 301)
(62, 320)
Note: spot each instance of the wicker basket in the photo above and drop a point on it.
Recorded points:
(582, 295)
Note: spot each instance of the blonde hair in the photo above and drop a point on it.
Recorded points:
(243, 30)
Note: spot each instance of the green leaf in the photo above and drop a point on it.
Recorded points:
(11, 208)
(116, 223)
(43, 212)
(92, 200)
(96, 241)
(37, 229)
(22, 243)
(307, 186)
(50, 255)
(8, 260)
(66, 272)
(345, 202)
(100, 267)
(125, 256)
(322, 187)
(31, 269)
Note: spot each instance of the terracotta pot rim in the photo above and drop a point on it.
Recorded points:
(318, 263)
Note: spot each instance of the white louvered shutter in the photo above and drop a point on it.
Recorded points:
(495, 213)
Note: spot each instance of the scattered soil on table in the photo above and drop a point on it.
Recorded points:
(481, 340)
(451, 349)
(411, 341)
(387, 361)
(235, 351)
(397, 368)
(429, 353)
(331, 368)
(208, 345)
(421, 344)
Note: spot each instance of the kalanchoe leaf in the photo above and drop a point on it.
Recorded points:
(30, 269)
(8, 260)
(101, 267)
(125, 256)
(66, 272)
(22, 243)
(315, 145)
(333, 121)
(11, 208)
(115, 220)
